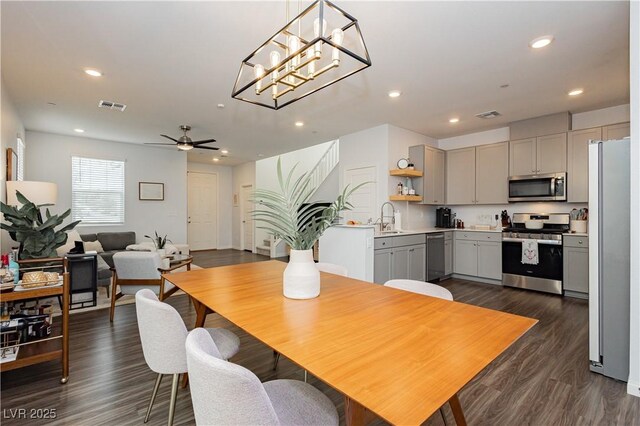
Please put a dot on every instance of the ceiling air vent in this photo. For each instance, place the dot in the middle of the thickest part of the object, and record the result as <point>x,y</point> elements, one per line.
<point>488,114</point>
<point>112,105</point>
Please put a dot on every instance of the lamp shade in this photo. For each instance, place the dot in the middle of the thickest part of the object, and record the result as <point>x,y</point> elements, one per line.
<point>36,192</point>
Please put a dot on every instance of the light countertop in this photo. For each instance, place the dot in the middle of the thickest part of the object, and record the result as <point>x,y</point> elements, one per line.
<point>432,230</point>
<point>575,234</point>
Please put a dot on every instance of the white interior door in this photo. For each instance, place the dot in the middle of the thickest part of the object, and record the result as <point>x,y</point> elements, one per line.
<point>247,220</point>
<point>202,195</point>
<point>364,199</point>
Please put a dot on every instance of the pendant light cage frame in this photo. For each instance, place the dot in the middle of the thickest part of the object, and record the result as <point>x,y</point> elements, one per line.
<point>304,67</point>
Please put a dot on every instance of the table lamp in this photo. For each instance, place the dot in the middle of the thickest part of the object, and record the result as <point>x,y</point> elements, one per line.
<point>36,192</point>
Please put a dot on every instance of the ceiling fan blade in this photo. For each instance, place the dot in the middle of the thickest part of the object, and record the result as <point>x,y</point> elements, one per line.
<point>206,147</point>
<point>169,137</point>
<point>203,141</point>
<point>156,143</point>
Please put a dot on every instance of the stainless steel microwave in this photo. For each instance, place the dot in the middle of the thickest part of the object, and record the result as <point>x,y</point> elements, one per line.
<point>546,187</point>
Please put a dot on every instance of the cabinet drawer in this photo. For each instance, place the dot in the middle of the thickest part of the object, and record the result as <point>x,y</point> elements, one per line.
<point>381,243</point>
<point>478,236</point>
<point>448,235</point>
<point>571,241</point>
<point>409,240</point>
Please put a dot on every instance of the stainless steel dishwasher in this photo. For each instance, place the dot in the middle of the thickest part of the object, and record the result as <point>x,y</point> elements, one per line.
<point>435,256</point>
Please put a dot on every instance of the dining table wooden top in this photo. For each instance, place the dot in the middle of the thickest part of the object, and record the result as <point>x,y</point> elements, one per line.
<point>399,354</point>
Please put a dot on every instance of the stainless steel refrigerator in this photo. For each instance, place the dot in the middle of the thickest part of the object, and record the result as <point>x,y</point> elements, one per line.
<point>609,281</point>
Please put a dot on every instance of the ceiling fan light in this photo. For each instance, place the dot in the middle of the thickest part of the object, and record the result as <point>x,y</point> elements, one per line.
<point>185,147</point>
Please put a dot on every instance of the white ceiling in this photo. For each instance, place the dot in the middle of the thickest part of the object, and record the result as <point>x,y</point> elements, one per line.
<point>173,62</point>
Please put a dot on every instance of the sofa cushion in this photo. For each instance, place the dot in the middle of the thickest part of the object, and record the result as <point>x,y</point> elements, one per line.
<point>116,240</point>
<point>107,256</point>
<point>89,237</point>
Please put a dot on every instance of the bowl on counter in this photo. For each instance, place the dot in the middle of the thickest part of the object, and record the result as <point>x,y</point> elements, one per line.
<point>533,224</point>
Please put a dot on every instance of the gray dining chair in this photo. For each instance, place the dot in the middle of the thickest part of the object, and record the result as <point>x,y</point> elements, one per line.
<point>330,268</point>
<point>224,393</point>
<point>426,289</point>
<point>163,335</point>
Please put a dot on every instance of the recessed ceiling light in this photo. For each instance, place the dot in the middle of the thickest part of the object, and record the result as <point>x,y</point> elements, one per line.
<point>394,93</point>
<point>220,106</point>
<point>299,124</point>
<point>541,42</point>
<point>216,159</point>
<point>93,73</point>
<point>454,120</point>
<point>78,130</point>
<point>224,151</point>
<point>260,155</point>
<point>576,92</point>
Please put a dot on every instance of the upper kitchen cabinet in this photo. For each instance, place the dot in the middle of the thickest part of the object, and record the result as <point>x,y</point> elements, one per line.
<point>461,176</point>
<point>578,163</point>
<point>522,159</point>
<point>432,163</point>
<point>539,155</point>
<point>492,173</point>
<point>616,131</point>
<point>478,175</point>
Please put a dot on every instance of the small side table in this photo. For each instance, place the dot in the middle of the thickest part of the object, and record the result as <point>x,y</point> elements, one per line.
<point>83,277</point>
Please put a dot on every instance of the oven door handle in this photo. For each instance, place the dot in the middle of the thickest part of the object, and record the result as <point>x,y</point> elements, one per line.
<point>543,242</point>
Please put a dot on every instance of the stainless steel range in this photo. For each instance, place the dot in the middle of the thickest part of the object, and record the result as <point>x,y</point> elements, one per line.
<point>547,274</point>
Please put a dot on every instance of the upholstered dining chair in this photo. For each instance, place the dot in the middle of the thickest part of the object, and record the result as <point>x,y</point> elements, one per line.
<point>224,393</point>
<point>163,335</point>
<point>426,289</point>
<point>135,270</point>
<point>330,268</point>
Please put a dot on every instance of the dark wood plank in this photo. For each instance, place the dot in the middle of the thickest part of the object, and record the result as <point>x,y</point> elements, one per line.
<point>543,379</point>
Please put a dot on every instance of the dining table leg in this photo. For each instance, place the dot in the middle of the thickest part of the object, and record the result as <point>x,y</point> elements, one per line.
<point>354,412</point>
<point>201,315</point>
<point>456,408</point>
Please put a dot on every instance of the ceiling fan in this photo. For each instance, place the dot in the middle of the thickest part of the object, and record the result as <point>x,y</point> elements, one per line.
<point>185,143</point>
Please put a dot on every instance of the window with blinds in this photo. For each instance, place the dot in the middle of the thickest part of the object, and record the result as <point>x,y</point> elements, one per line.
<point>20,165</point>
<point>97,188</point>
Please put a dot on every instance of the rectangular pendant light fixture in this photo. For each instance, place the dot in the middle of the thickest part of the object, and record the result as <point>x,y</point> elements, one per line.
<point>319,47</point>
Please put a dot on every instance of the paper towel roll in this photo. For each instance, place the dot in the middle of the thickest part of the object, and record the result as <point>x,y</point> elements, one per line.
<point>397,216</point>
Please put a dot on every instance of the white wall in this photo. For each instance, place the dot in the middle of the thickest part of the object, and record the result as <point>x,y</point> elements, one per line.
<point>12,127</point>
<point>49,159</point>
<point>225,199</point>
<point>601,117</point>
<point>633,386</point>
<point>472,139</point>
<point>243,174</point>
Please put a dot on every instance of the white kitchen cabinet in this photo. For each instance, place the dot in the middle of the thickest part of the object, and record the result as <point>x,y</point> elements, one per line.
<point>492,173</point>
<point>544,154</point>
<point>616,131</point>
<point>575,258</point>
<point>490,260</point>
<point>466,257</point>
<point>522,157</point>
<point>431,161</point>
<point>578,163</point>
<point>461,176</point>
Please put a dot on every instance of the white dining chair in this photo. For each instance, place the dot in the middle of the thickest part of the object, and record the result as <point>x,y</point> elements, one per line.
<point>426,289</point>
<point>163,335</point>
<point>332,268</point>
<point>224,393</point>
<point>421,287</point>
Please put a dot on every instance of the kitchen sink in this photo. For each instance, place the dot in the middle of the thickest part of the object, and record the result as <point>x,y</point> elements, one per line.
<point>391,232</point>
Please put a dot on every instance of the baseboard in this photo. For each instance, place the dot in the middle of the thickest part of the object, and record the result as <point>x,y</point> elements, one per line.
<point>477,279</point>
<point>224,248</point>
<point>576,294</point>
<point>633,388</point>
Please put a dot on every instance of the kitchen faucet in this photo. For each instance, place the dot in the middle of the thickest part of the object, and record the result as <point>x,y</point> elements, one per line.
<point>382,216</point>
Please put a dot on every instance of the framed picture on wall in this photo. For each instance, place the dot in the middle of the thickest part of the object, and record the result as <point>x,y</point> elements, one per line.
<point>151,191</point>
<point>12,164</point>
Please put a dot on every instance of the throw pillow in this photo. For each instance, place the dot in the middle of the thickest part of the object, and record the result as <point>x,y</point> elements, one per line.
<point>93,246</point>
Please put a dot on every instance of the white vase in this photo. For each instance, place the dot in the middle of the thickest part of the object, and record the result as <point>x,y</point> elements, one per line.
<point>162,252</point>
<point>301,279</point>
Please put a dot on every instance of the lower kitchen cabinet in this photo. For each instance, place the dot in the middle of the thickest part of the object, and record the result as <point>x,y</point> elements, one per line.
<point>478,254</point>
<point>417,262</point>
<point>448,253</point>
<point>382,260</point>
<point>396,261</point>
<point>575,258</point>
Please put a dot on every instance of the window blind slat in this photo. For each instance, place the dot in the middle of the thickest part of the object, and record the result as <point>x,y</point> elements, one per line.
<point>97,190</point>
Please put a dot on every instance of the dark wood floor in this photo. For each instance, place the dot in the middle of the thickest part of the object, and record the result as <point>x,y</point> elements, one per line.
<point>543,379</point>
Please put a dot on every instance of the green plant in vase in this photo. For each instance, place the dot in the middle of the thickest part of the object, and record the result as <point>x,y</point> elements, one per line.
<point>287,214</point>
<point>37,236</point>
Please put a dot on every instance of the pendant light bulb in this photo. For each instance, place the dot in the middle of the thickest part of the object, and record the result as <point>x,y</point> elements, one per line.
<point>258,71</point>
<point>294,45</point>
<point>337,36</point>
<point>311,68</point>
<point>319,32</point>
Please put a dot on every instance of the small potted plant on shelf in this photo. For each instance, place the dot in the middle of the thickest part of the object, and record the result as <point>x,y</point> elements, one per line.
<point>287,214</point>
<point>159,243</point>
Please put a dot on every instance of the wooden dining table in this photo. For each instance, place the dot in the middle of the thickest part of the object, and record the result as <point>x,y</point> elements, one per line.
<point>397,354</point>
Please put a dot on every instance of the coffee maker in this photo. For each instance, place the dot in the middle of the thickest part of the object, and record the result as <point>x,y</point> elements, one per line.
<point>443,218</point>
